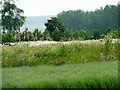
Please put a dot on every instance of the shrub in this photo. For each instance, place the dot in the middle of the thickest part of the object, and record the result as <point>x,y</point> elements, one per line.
<point>56,35</point>
<point>31,36</point>
<point>8,37</point>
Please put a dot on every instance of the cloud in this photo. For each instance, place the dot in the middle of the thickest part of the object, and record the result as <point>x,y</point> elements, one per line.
<point>53,7</point>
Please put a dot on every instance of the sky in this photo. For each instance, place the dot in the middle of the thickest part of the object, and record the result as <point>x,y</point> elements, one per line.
<point>53,7</point>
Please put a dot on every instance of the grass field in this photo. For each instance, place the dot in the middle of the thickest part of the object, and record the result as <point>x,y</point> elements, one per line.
<point>61,65</point>
<point>93,74</point>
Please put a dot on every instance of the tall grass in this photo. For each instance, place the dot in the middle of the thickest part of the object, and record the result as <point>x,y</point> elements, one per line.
<point>57,54</point>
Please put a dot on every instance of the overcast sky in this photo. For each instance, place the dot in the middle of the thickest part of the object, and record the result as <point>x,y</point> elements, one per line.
<point>53,7</point>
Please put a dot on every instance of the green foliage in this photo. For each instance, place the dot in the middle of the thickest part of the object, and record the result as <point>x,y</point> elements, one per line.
<point>11,16</point>
<point>107,47</point>
<point>108,44</point>
<point>100,19</point>
<point>116,34</point>
<point>76,35</point>
<point>56,35</point>
<point>54,23</point>
<point>31,36</point>
<point>96,34</point>
<point>81,35</point>
<point>0,37</point>
<point>57,54</point>
<point>7,37</point>
<point>46,35</point>
<point>22,36</point>
<point>39,34</point>
<point>55,26</point>
<point>67,35</point>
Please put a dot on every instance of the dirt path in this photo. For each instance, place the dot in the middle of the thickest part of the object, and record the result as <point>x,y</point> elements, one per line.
<point>37,43</point>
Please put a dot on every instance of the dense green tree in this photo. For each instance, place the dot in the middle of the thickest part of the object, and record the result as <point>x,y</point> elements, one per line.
<point>56,35</point>
<point>55,27</point>
<point>54,23</point>
<point>12,16</point>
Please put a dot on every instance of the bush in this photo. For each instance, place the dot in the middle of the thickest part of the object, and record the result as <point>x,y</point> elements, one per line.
<point>8,37</point>
<point>81,35</point>
<point>31,36</point>
<point>96,34</point>
<point>46,35</point>
<point>56,35</point>
<point>22,36</point>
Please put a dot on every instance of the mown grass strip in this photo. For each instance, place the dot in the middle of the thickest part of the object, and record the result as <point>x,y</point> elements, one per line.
<point>92,75</point>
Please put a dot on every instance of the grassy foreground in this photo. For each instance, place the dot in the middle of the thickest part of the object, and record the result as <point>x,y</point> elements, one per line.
<point>92,74</point>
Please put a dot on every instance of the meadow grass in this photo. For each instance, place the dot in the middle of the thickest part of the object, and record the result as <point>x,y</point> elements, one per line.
<point>57,54</point>
<point>84,75</point>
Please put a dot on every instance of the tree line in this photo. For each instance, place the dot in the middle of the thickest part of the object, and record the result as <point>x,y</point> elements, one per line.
<point>100,19</point>
<point>56,35</point>
<point>69,25</point>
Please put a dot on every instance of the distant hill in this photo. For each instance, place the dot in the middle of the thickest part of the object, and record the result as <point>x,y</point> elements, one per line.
<point>33,22</point>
